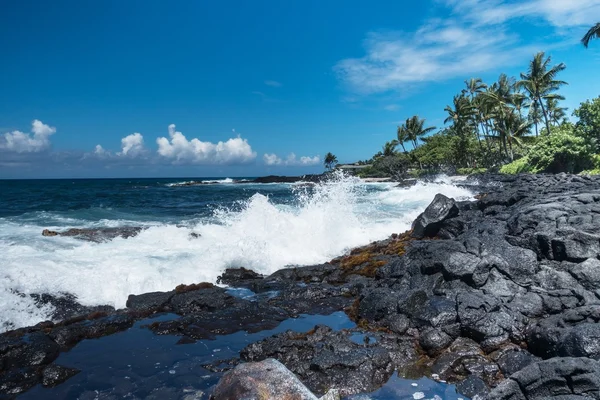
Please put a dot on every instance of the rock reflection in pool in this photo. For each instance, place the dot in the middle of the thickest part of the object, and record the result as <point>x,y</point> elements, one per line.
<point>408,389</point>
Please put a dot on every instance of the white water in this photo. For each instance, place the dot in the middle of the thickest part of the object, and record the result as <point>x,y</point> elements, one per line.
<point>263,237</point>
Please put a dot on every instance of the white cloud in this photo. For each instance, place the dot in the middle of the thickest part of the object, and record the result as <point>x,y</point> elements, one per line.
<point>291,160</point>
<point>21,142</point>
<point>183,151</point>
<point>99,150</point>
<point>391,107</point>
<point>474,39</point>
<point>559,13</point>
<point>273,83</point>
<point>132,145</point>
<point>272,159</point>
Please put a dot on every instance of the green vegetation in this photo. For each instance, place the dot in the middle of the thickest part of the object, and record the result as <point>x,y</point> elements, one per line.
<point>516,167</point>
<point>512,126</point>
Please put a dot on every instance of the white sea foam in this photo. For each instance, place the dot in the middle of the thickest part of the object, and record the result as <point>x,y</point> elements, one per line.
<point>326,221</point>
<point>207,181</point>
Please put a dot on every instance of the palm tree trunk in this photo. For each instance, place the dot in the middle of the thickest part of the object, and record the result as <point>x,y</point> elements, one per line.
<point>536,129</point>
<point>487,135</point>
<point>403,148</point>
<point>545,114</point>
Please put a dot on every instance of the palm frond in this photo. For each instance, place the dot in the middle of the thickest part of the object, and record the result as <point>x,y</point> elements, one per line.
<point>593,33</point>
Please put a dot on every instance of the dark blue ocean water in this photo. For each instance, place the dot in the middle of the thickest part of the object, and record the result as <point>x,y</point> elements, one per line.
<point>137,199</point>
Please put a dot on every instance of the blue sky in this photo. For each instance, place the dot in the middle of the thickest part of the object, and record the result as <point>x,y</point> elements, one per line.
<point>238,88</point>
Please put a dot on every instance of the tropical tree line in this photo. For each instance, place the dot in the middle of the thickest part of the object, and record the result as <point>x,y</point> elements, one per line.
<point>512,125</point>
<point>487,125</point>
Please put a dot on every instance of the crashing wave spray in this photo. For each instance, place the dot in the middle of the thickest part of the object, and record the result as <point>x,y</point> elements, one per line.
<point>321,223</point>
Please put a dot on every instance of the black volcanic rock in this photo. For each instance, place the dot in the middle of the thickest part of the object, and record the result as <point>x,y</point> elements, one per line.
<point>97,235</point>
<point>559,378</point>
<point>287,179</point>
<point>265,379</point>
<point>55,374</point>
<point>154,302</point>
<point>429,222</point>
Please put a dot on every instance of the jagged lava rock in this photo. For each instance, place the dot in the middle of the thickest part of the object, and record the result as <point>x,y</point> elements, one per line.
<point>429,222</point>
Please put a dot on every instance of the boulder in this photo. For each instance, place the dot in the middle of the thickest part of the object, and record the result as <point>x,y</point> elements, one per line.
<point>264,380</point>
<point>155,301</point>
<point>430,221</point>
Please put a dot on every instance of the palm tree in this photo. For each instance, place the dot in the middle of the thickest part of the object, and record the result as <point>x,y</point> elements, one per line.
<point>460,112</point>
<point>555,112</point>
<point>540,81</point>
<point>593,33</point>
<point>415,129</point>
<point>513,127</point>
<point>389,149</point>
<point>504,104</point>
<point>535,115</point>
<point>402,136</point>
<point>474,87</point>
<point>330,161</point>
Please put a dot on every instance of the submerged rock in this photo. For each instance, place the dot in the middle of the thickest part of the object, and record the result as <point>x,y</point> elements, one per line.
<point>55,374</point>
<point>97,235</point>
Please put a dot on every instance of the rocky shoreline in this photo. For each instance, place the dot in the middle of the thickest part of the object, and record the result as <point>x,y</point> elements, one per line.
<point>500,296</point>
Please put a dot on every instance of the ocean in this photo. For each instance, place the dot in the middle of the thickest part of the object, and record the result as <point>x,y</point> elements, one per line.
<point>189,234</point>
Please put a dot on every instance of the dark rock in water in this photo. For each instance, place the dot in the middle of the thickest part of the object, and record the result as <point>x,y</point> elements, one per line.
<point>154,302</point>
<point>194,235</point>
<point>404,183</point>
<point>268,379</point>
<point>55,374</point>
<point>324,359</point>
<point>238,277</point>
<point>473,386</point>
<point>29,350</point>
<point>97,235</point>
<point>429,222</point>
<point>287,179</point>
<point>209,299</point>
<point>72,332</point>
<point>554,378</point>
<point>66,306</point>
<point>18,380</point>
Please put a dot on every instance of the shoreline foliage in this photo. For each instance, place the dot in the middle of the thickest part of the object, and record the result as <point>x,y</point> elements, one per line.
<point>511,126</point>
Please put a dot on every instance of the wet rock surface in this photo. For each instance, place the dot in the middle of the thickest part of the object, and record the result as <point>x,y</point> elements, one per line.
<point>96,234</point>
<point>266,379</point>
<point>500,295</point>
